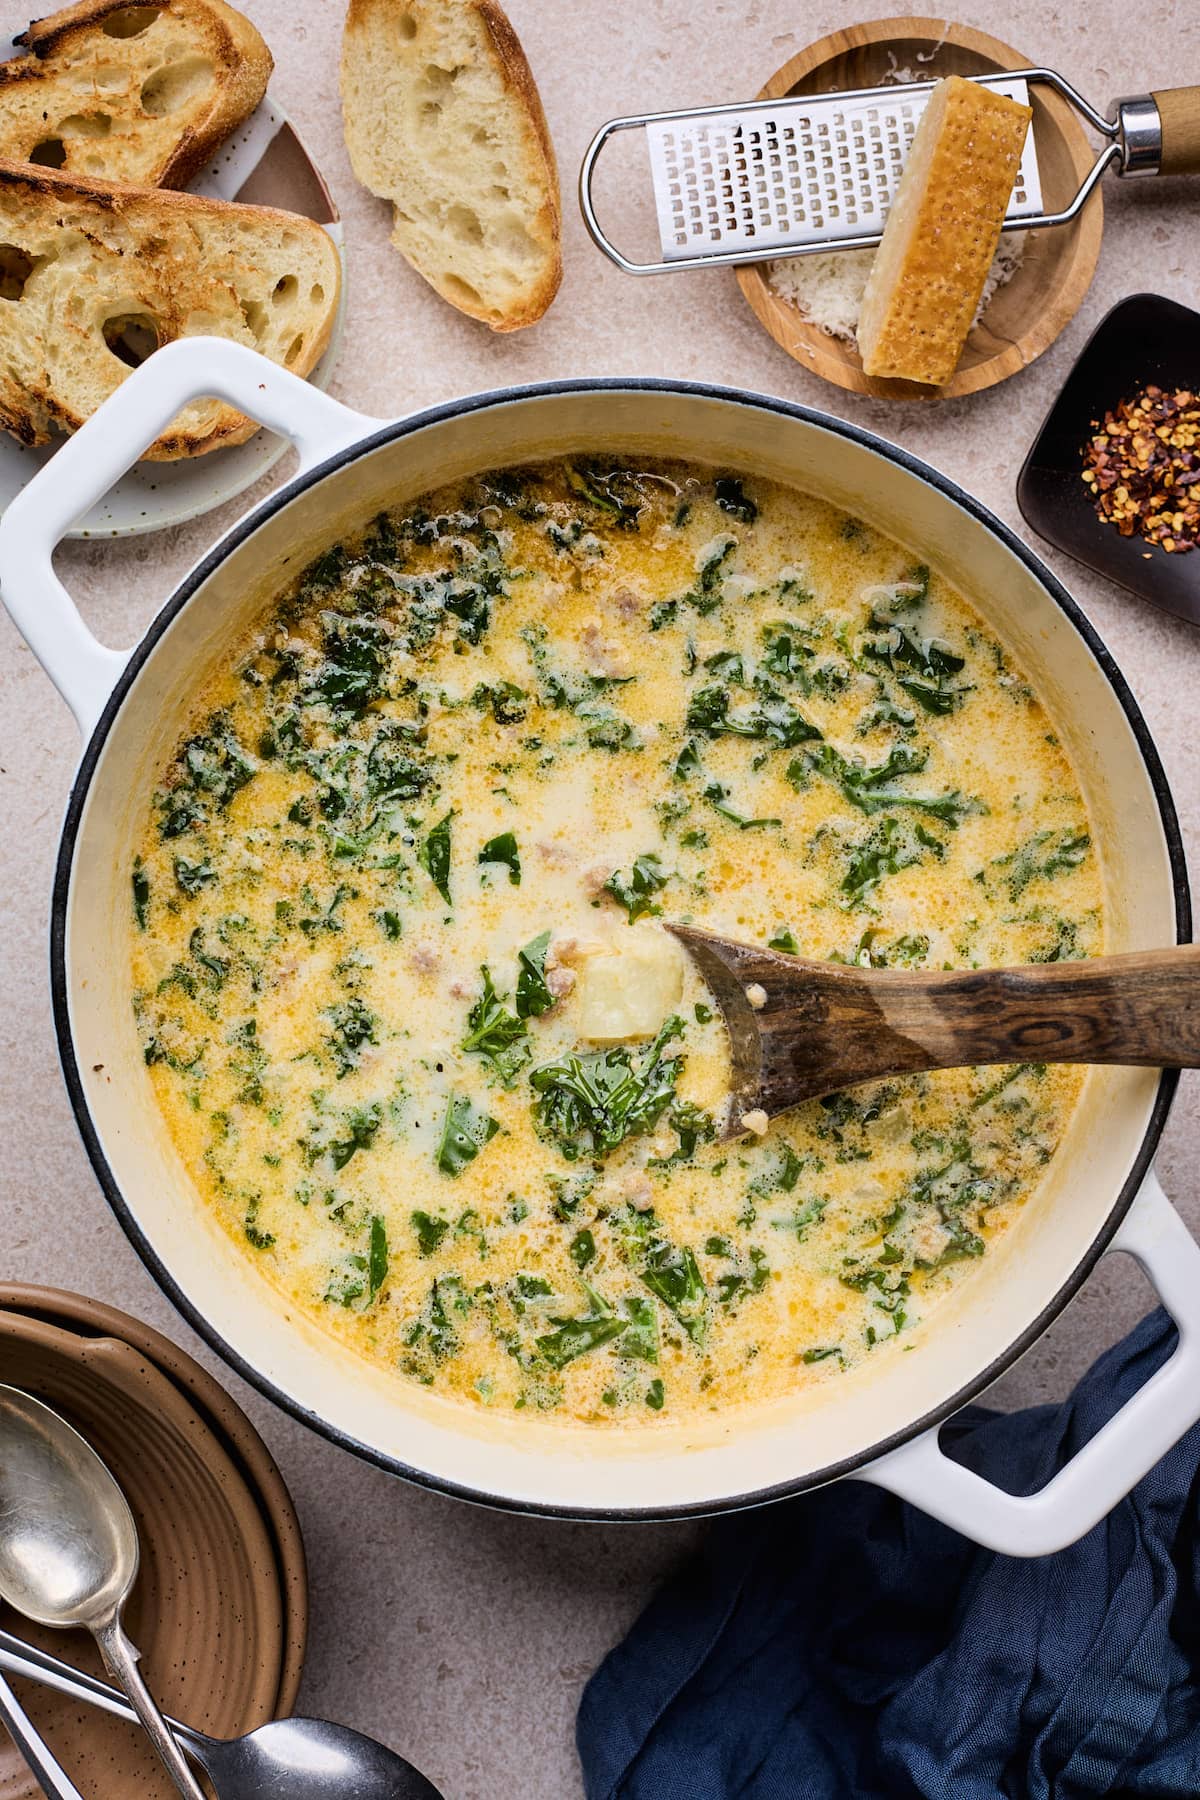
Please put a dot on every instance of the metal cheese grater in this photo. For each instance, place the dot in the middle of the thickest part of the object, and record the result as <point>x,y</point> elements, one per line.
<point>737,184</point>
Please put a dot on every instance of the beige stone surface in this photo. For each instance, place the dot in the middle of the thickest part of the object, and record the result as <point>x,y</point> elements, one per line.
<point>460,1636</point>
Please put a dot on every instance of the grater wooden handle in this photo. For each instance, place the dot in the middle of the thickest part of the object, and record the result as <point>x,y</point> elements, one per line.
<point>1179,110</point>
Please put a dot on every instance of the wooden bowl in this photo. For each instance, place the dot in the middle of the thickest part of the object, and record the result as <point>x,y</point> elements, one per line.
<point>1027,314</point>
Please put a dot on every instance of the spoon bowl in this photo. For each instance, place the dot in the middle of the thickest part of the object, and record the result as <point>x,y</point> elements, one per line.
<point>69,1551</point>
<point>68,1546</point>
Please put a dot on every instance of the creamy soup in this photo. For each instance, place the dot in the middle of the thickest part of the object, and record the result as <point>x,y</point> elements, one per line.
<point>400,970</point>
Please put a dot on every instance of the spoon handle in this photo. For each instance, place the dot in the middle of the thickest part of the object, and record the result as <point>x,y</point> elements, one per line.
<point>1140,1009</point>
<point>121,1661</point>
<point>33,1663</point>
<point>51,1777</point>
<point>799,1029</point>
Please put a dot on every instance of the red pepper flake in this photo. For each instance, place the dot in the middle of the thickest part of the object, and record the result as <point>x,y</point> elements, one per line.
<point>1142,467</point>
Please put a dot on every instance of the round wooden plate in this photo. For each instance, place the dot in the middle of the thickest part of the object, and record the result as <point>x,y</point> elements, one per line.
<point>220,1606</point>
<point>1027,314</point>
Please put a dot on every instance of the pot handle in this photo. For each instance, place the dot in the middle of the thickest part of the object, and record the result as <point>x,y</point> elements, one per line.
<point>82,669</point>
<point>1122,1451</point>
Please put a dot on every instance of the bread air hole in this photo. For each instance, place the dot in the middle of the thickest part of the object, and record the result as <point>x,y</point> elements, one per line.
<point>465,224</point>
<point>438,80</point>
<point>294,349</point>
<point>255,315</point>
<point>406,25</point>
<point>86,125</point>
<point>131,337</point>
<point>284,291</point>
<point>129,21</point>
<point>170,88</point>
<point>50,153</point>
<point>15,270</point>
<point>435,88</point>
<point>456,287</point>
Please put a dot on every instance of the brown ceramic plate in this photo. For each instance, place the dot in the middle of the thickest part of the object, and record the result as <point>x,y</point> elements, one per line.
<point>220,1607</point>
<point>1027,314</point>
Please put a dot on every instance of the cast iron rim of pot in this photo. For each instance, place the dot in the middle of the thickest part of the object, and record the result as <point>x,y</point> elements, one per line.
<point>245,529</point>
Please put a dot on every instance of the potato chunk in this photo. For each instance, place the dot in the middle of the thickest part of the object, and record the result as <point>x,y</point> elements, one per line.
<point>628,992</point>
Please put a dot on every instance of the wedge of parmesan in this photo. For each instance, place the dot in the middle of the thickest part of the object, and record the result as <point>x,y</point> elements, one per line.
<point>628,992</point>
<point>941,233</point>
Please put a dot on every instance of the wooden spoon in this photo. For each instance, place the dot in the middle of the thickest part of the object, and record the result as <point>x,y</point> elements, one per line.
<point>799,1029</point>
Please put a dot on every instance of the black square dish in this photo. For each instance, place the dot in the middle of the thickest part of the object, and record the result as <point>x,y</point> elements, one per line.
<point>1144,339</point>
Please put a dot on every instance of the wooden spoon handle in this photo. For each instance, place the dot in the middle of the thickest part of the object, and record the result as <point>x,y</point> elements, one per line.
<point>1142,1008</point>
<point>799,1029</point>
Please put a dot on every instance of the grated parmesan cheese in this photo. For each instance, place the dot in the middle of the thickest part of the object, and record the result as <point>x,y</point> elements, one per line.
<point>828,287</point>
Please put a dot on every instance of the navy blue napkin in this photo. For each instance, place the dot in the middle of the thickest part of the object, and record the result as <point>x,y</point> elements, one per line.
<point>843,1646</point>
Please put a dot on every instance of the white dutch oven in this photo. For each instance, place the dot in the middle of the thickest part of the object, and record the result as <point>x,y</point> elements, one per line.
<point>878,1425</point>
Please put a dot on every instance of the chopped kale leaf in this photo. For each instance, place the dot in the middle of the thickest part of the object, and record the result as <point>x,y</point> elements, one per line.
<point>378,1258</point>
<point>503,849</point>
<point>141,894</point>
<point>465,1132</point>
<point>923,668</point>
<point>732,498</point>
<point>494,1032</point>
<point>533,992</point>
<point>352,1026</point>
<point>1043,856</point>
<point>430,1231</point>
<point>636,891</point>
<point>591,1101</point>
<point>893,845</point>
<point>434,856</point>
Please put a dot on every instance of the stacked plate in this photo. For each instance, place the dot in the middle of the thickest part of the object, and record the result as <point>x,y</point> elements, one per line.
<point>220,1609</point>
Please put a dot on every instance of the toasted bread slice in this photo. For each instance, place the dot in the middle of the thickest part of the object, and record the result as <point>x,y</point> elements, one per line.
<point>94,277</point>
<point>443,118</point>
<point>114,92</point>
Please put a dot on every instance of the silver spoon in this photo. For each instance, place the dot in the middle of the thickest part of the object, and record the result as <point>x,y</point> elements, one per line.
<point>69,1551</point>
<point>53,1780</point>
<point>289,1759</point>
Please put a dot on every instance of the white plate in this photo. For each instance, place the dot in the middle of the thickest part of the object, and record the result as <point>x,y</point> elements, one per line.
<point>265,161</point>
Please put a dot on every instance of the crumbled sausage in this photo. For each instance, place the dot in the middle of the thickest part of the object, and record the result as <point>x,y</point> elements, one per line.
<point>555,854</point>
<point>602,656</point>
<point>596,878</point>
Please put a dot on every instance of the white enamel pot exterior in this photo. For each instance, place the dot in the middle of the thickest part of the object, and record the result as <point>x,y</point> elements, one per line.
<point>879,1424</point>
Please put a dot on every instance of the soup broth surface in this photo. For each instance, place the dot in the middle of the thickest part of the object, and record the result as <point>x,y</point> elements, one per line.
<point>400,971</point>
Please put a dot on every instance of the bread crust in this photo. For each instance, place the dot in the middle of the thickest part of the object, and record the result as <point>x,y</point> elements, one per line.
<point>518,80</point>
<point>63,205</point>
<point>235,46</point>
